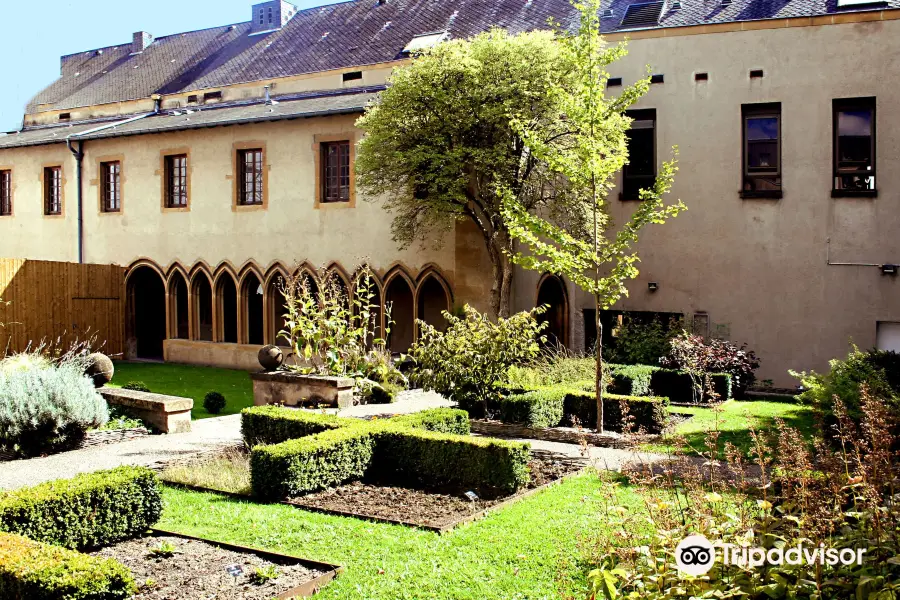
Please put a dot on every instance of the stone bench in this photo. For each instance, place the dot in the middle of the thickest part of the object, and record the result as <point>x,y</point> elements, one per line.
<point>292,389</point>
<point>169,414</point>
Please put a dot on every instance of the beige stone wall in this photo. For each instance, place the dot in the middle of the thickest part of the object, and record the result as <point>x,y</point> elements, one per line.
<point>758,267</point>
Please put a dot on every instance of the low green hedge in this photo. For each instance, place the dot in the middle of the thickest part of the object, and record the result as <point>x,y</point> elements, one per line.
<point>536,408</point>
<point>429,459</point>
<point>311,463</point>
<point>647,413</point>
<point>678,385</point>
<point>276,424</point>
<point>89,510</point>
<point>442,420</point>
<point>632,380</point>
<point>31,570</point>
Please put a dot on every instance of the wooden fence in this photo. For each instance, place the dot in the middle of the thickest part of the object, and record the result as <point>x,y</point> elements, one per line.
<point>46,301</point>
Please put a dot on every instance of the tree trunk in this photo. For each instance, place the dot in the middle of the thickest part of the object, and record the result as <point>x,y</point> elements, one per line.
<point>598,382</point>
<point>502,271</point>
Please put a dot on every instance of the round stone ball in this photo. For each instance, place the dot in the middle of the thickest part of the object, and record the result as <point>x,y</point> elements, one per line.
<point>99,368</point>
<point>270,357</point>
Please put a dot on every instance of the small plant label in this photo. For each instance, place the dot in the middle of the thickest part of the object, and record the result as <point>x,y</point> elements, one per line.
<point>235,570</point>
<point>471,496</point>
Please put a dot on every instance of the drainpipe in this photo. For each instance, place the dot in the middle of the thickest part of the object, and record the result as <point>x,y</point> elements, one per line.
<point>79,159</point>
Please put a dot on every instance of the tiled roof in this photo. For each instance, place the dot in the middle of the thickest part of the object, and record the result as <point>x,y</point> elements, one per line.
<point>174,120</point>
<point>354,33</point>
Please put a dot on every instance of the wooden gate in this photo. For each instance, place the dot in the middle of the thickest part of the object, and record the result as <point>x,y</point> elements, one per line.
<point>49,301</point>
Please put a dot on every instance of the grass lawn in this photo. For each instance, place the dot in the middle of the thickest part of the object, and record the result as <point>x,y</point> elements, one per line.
<point>514,553</point>
<point>734,420</point>
<point>190,382</point>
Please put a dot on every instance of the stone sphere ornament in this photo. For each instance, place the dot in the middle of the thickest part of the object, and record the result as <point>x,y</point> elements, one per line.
<point>270,357</point>
<point>99,368</point>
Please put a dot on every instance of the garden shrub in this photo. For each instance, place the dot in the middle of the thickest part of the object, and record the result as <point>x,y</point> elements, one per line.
<point>877,369</point>
<point>213,402</point>
<point>678,386</point>
<point>429,459</point>
<point>311,463</point>
<point>35,571</point>
<point>47,408</point>
<point>631,380</point>
<point>89,510</point>
<point>537,408</point>
<point>442,420</point>
<point>639,343</point>
<point>136,386</point>
<point>700,356</point>
<point>646,413</point>
<point>464,362</point>
<point>276,424</point>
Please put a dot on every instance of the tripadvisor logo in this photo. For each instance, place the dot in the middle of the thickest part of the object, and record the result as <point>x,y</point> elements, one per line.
<point>695,555</point>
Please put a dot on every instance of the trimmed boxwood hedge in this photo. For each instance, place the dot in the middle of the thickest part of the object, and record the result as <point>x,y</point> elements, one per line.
<point>311,463</point>
<point>536,408</point>
<point>276,424</point>
<point>31,570</point>
<point>678,385</point>
<point>491,467</point>
<point>89,510</point>
<point>428,448</point>
<point>647,412</point>
<point>632,380</point>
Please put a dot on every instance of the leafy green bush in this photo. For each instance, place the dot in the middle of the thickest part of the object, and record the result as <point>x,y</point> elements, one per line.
<point>374,392</point>
<point>876,368</point>
<point>639,343</point>
<point>699,357</point>
<point>136,386</point>
<point>276,424</point>
<point>46,408</point>
<point>631,380</point>
<point>311,463</point>
<point>537,408</point>
<point>429,459</point>
<point>620,413</point>
<point>89,510</point>
<point>213,402</point>
<point>465,362</point>
<point>35,571</point>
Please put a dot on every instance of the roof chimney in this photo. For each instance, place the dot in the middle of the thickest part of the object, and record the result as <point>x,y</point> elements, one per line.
<point>139,41</point>
<point>270,15</point>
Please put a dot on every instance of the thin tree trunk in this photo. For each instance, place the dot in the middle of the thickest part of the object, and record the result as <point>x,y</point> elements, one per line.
<point>501,288</point>
<point>598,382</point>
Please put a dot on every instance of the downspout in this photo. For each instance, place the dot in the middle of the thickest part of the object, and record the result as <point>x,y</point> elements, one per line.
<point>79,160</point>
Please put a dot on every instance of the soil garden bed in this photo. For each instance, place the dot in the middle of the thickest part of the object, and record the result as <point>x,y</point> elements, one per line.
<point>434,509</point>
<point>566,435</point>
<point>196,569</point>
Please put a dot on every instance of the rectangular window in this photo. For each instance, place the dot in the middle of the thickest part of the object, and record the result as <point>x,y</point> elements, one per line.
<point>336,171</point>
<point>53,191</point>
<point>111,186</point>
<point>5,193</point>
<point>854,147</point>
<point>176,181</point>
<point>250,177</point>
<point>762,150</point>
<point>640,172</point>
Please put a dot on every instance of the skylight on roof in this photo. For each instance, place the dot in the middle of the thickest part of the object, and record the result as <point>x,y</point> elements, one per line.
<point>645,14</point>
<point>850,3</point>
<point>424,41</point>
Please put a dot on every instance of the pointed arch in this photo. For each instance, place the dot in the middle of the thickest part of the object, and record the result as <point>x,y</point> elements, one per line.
<point>433,297</point>
<point>145,310</point>
<point>225,298</point>
<point>551,290</point>
<point>202,303</point>
<point>274,303</point>
<point>177,292</point>
<point>252,313</point>
<point>399,295</point>
<point>376,300</point>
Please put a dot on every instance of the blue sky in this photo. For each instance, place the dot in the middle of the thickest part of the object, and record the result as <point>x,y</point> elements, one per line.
<point>31,44</point>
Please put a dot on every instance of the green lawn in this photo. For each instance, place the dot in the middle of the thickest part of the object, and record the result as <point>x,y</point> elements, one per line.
<point>734,419</point>
<point>190,382</point>
<point>514,553</point>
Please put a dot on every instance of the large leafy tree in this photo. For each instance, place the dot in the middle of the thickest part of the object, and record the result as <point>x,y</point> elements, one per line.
<point>440,144</point>
<point>587,148</point>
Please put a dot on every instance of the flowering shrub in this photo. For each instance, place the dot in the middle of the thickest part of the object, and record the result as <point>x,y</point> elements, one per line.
<point>639,343</point>
<point>838,496</point>
<point>701,357</point>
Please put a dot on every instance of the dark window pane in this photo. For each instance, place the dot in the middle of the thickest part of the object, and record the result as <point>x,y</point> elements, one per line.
<point>854,144</point>
<point>5,193</point>
<point>336,171</point>
<point>762,147</point>
<point>640,172</point>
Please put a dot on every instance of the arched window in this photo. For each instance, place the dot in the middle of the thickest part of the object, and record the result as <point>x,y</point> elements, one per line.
<point>552,292</point>
<point>226,306</point>
<point>433,301</point>
<point>178,306</point>
<point>146,312</point>
<point>203,308</point>
<point>277,310</point>
<point>399,296</point>
<point>252,309</point>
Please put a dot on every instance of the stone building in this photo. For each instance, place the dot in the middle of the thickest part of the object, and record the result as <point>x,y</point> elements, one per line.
<point>213,162</point>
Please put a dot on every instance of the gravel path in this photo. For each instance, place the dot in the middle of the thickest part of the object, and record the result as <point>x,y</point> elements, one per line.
<point>206,435</point>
